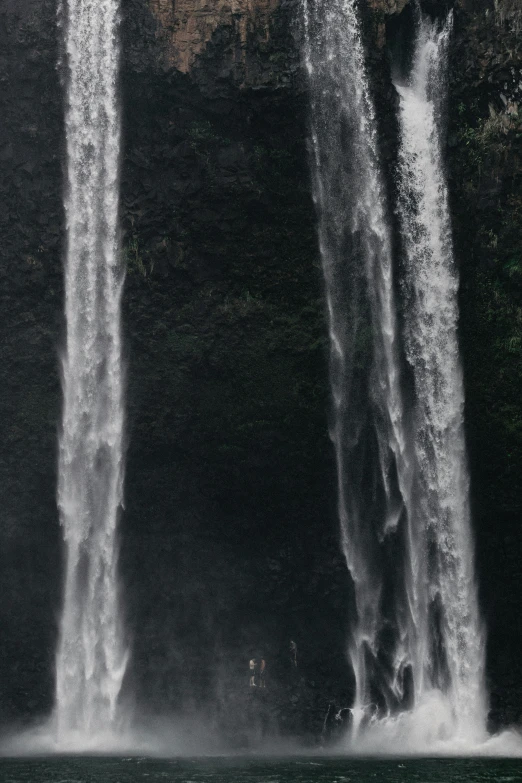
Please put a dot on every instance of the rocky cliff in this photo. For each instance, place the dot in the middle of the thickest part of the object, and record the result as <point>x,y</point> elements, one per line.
<point>229,535</point>
<point>189,26</point>
<point>485,167</point>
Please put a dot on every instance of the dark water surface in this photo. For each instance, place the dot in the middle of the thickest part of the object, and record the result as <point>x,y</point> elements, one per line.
<point>258,770</point>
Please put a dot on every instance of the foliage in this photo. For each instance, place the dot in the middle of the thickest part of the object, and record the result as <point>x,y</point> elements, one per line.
<point>134,258</point>
<point>486,168</point>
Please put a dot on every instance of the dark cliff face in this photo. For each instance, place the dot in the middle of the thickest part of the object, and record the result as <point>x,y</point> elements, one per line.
<point>230,473</point>
<point>229,543</point>
<point>485,165</point>
<point>31,219</point>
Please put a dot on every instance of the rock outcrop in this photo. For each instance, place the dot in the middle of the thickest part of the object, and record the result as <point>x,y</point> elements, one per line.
<point>188,27</point>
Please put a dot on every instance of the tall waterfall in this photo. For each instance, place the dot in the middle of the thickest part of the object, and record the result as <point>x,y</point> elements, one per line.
<point>91,658</point>
<point>369,431</point>
<point>416,646</point>
<point>454,659</point>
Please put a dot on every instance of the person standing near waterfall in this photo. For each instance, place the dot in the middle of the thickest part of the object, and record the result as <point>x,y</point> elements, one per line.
<point>252,669</point>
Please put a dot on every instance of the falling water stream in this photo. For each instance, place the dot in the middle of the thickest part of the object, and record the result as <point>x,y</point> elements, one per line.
<point>91,656</point>
<point>369,430</point>
<point>454,656</point>
<point>416,645</point>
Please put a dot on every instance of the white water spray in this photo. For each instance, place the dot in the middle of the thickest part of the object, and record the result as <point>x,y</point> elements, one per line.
<point>416,646</point>
<point>91,657</point>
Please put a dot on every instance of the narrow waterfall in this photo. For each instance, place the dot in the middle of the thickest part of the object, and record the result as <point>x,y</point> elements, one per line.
<point>454,661</point>
<point>416,642</point>
<point>91,657</point>
<point>369,429</point>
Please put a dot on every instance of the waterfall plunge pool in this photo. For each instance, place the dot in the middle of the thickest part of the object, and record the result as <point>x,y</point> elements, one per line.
<point>317,769</point>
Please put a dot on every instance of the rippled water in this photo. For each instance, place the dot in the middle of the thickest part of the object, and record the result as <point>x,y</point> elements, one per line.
<point>258,770</point>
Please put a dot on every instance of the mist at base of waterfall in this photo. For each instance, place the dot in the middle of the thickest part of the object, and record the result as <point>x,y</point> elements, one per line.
<point>164,737</point>
<point>429,731</point>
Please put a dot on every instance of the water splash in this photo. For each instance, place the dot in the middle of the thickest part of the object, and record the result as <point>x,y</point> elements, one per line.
<point>91,657</point>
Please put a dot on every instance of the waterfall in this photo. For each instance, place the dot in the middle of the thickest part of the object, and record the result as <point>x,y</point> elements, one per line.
<point>369,430</point>
<point>456,663</point>
<point>416,642</point>
<point>91,657</point>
